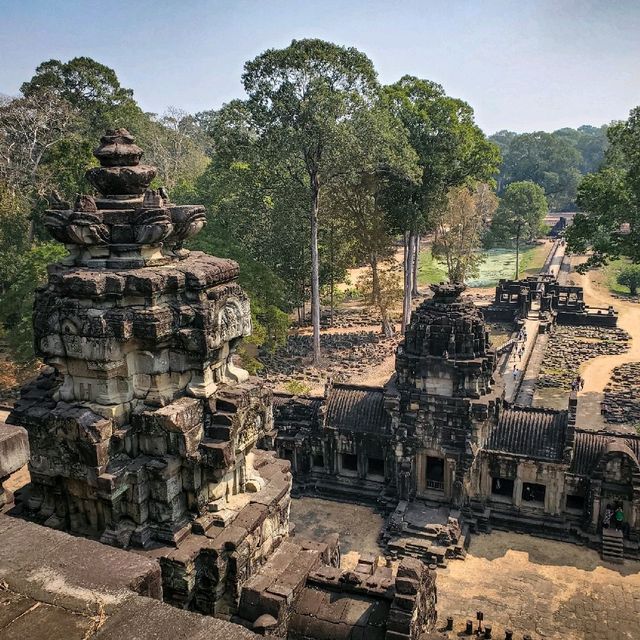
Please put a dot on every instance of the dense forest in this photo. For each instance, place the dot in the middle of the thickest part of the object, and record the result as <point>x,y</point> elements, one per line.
<point>318,168</point>
<point>555,161</point>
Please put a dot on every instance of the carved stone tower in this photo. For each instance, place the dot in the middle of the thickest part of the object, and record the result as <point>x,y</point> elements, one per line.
<point>143,424</point>
<point>443,398</point>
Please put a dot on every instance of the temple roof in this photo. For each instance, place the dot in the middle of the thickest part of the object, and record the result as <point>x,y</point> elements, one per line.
<point>589,446</point>
<point>296,408</point>
<point>356,408</point>
<point>531,432</point>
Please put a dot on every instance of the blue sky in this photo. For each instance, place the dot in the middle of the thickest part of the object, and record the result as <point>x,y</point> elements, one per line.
<point>521,64</point>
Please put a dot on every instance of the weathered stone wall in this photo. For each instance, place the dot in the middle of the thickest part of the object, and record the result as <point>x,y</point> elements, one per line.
<point>14,454</point>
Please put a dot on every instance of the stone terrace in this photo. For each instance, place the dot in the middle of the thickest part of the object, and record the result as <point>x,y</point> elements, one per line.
<point>76,589</point>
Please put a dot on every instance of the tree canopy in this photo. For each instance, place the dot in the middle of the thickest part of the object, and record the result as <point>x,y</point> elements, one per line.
<point>555,161</point>
<point>303,100</point>
<point>610,199</point>
<point>451,149</point>
<point>519,215</point>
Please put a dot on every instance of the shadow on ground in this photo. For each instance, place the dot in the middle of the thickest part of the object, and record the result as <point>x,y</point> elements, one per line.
<point>545,552</point>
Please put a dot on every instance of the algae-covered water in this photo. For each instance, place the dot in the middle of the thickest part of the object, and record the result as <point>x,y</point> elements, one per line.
<point>498,263</point>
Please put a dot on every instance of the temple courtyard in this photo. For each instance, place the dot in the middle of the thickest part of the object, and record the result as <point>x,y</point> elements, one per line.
<point>555,590</point>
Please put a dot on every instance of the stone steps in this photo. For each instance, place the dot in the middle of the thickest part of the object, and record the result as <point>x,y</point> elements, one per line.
<point>612,546</point>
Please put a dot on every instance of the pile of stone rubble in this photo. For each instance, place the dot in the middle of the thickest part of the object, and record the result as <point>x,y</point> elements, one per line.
<point>570,346</point>
<point>347,353</point>
<point>622,395</point>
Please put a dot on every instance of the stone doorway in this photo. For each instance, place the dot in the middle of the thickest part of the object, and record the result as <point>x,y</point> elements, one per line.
<point>613,496</point>
<point>434,473</point>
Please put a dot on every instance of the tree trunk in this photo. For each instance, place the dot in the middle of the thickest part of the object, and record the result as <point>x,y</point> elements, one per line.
<point>315,272</point>
<point>408,273</point>
<point>387,328</point>
<point>414,271</point>
<point>518,254</point>
<point>331,285</point>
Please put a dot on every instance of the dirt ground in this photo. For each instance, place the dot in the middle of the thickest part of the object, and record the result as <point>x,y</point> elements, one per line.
<point>358,526</point>
<point>548,589</point>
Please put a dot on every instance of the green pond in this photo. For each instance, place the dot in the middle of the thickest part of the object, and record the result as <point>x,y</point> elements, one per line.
<point>498,263</point>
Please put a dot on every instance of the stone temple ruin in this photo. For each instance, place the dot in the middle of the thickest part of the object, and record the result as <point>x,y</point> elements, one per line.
<point>442,451</point>
<point>144,433</point>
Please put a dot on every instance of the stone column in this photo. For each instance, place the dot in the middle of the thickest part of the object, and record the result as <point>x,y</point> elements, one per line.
<point>596,489</point>
<point>517,488</point>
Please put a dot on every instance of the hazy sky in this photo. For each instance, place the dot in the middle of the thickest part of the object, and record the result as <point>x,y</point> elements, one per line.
<point>521,64</point>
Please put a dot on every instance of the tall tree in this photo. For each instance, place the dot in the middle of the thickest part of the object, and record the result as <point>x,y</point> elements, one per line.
<point>303,99</point>
<point>459,229</point>
<point>356,197</point>
<point>451,150</point>
<point>90,87</point>
<point>610,199</point>
<point>519,216</point>
<point>252,202</point>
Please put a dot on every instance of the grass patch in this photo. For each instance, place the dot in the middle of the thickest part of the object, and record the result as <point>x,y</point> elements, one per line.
<point>610,276</point>
<point>532,259</point>
<point>430,270</point>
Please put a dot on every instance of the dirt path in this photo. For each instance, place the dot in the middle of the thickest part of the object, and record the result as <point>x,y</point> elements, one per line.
<point>597,371</point>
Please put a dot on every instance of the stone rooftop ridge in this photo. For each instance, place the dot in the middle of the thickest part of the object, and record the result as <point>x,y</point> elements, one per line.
<point>591,446</point>
<point>356,408</point>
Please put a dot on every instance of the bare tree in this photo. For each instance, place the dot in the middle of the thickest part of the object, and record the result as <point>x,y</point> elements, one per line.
<point>176,146</point>
<point>458,233</point>
<point>29,128</point>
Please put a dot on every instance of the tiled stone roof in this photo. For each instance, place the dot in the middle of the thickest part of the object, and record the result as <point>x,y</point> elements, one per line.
<point>287,406</point>
<point>357,408</point>
<point>529,431</point>
<point>590,445</point>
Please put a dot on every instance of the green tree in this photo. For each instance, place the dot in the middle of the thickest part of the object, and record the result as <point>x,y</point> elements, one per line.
<point>519,215</point>
<point>356,201</point>
<point>28,270</point>
<point>610,199</point>
<point>302,99</point>
<point>555,161</point>
<point>630,277</point>
<point>451,150</point>
<point>252,202</point>
<point>91,88</point>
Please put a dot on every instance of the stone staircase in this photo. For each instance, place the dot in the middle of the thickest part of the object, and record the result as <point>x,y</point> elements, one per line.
<point>612,546</point>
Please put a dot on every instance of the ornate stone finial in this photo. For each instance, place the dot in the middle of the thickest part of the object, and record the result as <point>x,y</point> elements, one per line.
<point>120,172</point>
<point>447,292</point>
<point>117,149</point>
